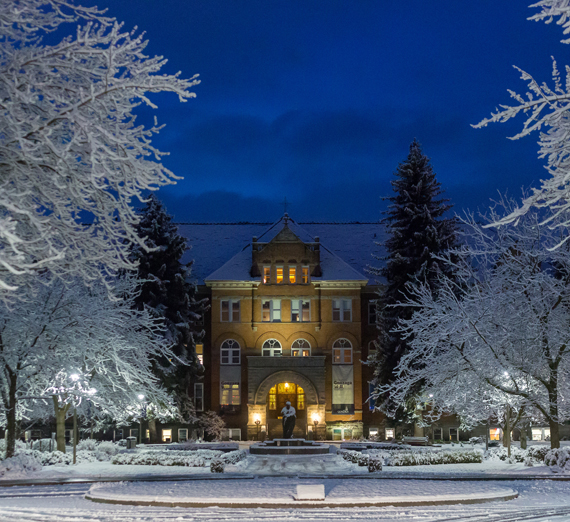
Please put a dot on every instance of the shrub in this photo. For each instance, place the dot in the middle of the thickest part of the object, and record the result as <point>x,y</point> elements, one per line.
<point>194,459</point>
<point>374,464</point>
<point>106,450</point>
<point>558,458</point>
<point>217,466</point>
<point>363,460</point>
<point>20,464</point>
<point>476,440</point>
<point>86,445</point>
<point>517,455</point>
<point>537,453</point>
<point>428,457</point>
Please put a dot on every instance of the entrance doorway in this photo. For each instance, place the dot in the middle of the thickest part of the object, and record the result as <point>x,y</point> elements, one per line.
<point>276,399</point>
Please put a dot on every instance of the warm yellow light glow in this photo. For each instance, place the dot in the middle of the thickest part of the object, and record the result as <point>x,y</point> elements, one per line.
<point>316,419</point>
<point>257,418</point>
<point>286,385</point>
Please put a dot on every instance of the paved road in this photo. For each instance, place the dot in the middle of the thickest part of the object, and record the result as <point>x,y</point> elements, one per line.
<point>539,501</point>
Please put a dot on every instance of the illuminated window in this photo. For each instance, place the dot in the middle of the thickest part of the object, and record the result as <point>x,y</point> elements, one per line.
<point>229,311</point>
<point>342,352</point>
<point>300,398</point>
<point>271,311</point>
<point>230,352</point>
<point>390,433</point>
<point>342,310</point>
<point>266,275</point>
<point>301,348</point>
<point>300,311</point>
<point>453,434</point>
<point>199,396</point>
<point>166,435</point>
<point>272,348</point>
<point>273,398</point>
<point>495,433</point>
<point>292,274</point>
<point>279,274</point>
<point>200,353</point>
<point>230,394</point>
<point>305,275</point>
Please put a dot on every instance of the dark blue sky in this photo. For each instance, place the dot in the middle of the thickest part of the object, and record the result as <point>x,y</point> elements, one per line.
<point>318,101</point>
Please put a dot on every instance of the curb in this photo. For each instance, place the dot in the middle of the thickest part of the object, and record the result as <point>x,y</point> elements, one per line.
<point>380,475</point>
<point>303,504</point>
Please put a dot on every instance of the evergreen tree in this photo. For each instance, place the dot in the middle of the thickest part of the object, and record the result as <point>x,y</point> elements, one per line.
<point>168,292</point>
<point>417,231</point>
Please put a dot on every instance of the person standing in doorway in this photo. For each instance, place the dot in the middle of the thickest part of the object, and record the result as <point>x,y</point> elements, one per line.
<point>289,417</point>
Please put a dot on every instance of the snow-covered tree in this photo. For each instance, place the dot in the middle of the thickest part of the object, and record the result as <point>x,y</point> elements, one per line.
<point>68,343</point>
<point>496,334</point>
<point>212,424</point>
<point>170,296</point>
<point>72,157</point>
<point>546,107</point>
<point>418,231</point>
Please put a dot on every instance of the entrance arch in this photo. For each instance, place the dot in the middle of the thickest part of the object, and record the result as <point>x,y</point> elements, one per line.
<point>279,387</point>
<point>311,395</point>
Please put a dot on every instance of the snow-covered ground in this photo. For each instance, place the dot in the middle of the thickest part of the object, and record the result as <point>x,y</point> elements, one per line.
<point>274,465</point>
<point>538,501</point>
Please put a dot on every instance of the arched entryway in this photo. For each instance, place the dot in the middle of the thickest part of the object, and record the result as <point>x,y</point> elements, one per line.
<point>276,389</point>
<point>277,397</point>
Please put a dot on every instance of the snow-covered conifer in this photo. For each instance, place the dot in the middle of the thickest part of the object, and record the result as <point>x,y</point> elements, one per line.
<point>170,295</point>
<point>417,231</point>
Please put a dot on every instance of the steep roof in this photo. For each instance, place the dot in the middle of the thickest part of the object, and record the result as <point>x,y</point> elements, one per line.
<point>222,251</point>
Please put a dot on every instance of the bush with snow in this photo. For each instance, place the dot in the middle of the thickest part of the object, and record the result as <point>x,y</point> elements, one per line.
<point>19,447</point>
<point>233,457</point>
<point>106,450</point>
<point>537,453</point>
<point>413,458</point>
<point>476,440</point>
<point>87,445</point>
<point>558,459</point>
<point>21,464</point>
<point>194,459</point>
<point>517,455</point>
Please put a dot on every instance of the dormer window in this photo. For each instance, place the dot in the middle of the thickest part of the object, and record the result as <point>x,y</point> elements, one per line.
<point>279,274</point>
<point>305,275</point>
<point>292,274</point>
<point>266,275</point>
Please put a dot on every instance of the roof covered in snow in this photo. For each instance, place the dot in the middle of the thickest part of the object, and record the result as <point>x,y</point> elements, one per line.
<point>222,251</point>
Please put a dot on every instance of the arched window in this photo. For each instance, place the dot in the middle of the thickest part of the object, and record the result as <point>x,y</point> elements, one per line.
<point>271,348</point>
<point>230,352</point>
<point>342,352</point>
<point>301,348</point>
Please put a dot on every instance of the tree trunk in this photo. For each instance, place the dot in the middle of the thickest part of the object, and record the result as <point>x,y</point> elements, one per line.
<point>60,414</point>
<point>507,436</point>
<point>153,431</point>
<point>553,420</point>
<point>554,434</point>
<point>523,435</point>
<point>11,424</point>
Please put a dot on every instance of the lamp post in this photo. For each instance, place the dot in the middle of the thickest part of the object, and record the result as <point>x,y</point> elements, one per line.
<point>315,432</point>
<point>257,423</point>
